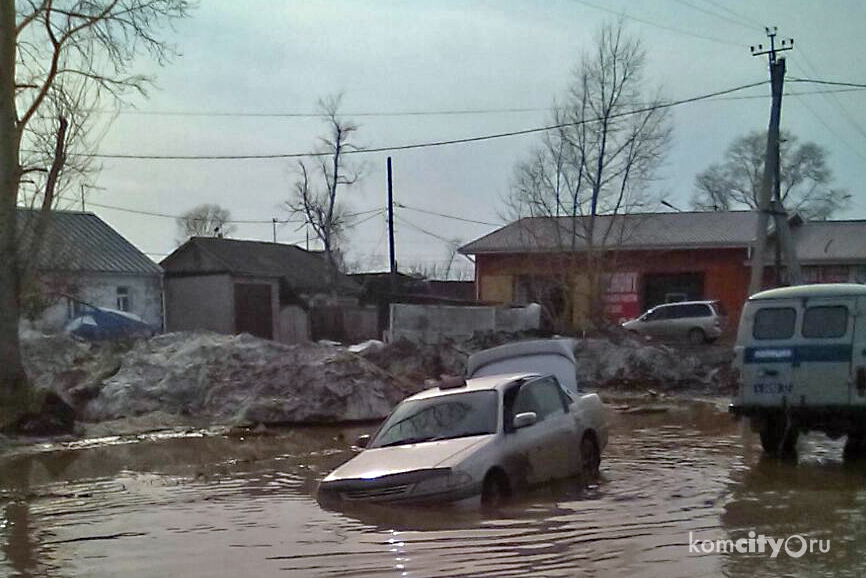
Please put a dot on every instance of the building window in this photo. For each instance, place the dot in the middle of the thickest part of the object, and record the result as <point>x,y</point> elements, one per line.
<point>124,300</point>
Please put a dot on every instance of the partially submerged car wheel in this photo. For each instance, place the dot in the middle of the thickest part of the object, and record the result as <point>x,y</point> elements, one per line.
<point>590,457</point>
<point>496,489</point>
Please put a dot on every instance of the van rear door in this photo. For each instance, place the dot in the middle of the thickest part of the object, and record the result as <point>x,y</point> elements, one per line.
<point>767,331</point>
<point>822,365</point>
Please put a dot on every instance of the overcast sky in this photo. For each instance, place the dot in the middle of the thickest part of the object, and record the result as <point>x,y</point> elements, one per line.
<point>267,56</point>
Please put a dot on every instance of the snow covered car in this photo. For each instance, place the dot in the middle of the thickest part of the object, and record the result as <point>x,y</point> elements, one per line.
<point>489,436</point>
<point>102,324</point>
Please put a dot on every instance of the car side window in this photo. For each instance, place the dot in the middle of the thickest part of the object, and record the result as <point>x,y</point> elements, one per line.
<point>542,397</point>
<point>658,314</point>
<point>774,323</point>
<point>825,322</point>
<point>698,310</point>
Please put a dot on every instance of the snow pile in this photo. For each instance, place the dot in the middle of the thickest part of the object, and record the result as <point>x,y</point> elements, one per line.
<point>603,363</point>
<point>241,380</point>
<point>414,362</point>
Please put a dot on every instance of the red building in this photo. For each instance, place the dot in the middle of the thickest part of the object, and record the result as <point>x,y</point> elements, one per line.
<point>650,258</point>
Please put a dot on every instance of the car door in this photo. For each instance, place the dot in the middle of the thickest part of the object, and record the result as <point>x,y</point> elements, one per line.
<point>547,445</point>
<point>654,321</point>
<point>822,364</point>
<point>768,352</point>
<point>678,322</point>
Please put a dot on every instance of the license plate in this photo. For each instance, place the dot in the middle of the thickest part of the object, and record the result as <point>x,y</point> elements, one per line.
<point>773,388</point>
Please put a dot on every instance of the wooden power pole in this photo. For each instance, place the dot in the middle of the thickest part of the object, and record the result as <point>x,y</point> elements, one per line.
<point>767,205</point>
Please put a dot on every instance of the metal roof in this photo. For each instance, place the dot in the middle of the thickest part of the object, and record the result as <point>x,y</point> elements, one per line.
<point>303,270</point>
<point>82,242</point>
<point>632,231</point>
<point>829,242</point>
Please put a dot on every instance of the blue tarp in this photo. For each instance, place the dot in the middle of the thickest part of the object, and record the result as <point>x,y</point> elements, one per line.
<point>106,325</point>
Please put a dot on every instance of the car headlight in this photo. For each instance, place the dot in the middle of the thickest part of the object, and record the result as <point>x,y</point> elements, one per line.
<point>442,483</point>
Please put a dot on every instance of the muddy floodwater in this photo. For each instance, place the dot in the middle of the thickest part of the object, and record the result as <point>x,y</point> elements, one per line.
<point>197,504</point>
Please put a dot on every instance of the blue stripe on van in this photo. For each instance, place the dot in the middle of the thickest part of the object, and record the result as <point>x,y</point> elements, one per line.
<point>798,354</point>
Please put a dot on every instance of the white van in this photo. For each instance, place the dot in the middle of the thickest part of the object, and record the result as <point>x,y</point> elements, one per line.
<point>801,356</point>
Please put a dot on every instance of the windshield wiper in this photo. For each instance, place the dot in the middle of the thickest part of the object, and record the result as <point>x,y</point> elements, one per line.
<point>419,440</point>
<point>406,441</point>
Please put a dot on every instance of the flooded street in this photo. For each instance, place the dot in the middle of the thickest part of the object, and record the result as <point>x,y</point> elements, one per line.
<point>205,505</point>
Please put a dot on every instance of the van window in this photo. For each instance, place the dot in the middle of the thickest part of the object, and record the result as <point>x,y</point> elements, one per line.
<point>659,314</point>
<point>825,322</point>
<point>774,323</point>
<point>696,310</point>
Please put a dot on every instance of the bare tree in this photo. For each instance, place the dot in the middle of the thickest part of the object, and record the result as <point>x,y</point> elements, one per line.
<point>611,136</point>
<point>55,54</point>
<point>207,220</point>
<point>805,186</point>
<point>316,194</point>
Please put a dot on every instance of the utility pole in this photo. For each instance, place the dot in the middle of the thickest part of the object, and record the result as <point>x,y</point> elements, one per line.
<point>766,204</point>
<point>274,223</point>
<point>392,258</point>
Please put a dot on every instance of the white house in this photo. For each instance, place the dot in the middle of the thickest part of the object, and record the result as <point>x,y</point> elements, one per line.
<point>84,263</point>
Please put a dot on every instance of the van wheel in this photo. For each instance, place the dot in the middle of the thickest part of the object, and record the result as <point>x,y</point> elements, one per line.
<point>590,457</point>
<point>697,336</point>
<point>855,447</point>
<point>496,489</point>
<point>777,438</point>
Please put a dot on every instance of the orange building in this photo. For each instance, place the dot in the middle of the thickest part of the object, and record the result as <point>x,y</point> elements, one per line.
<point>649,258</point>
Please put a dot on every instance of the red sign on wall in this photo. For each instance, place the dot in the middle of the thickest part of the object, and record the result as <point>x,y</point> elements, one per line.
<point>621,301</point>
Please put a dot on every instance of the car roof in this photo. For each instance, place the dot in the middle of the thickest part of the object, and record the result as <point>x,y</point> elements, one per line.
<point>813,290</point>
<point>703,302</point>
<point>487,383</point>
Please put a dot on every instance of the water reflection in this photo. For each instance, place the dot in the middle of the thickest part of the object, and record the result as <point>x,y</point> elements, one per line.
<point>218,505</point>
<point>818,496</point>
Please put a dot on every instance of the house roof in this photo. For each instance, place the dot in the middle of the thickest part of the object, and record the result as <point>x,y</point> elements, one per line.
<point>632,231</point>
<point>830,241</point>
<point>81,241</point>
<point>304,271</point>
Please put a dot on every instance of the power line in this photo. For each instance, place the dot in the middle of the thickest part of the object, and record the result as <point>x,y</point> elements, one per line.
<point>832,131</point>
<point>232,221</point>
<point>364,220</point>
<point>487,137</point>
<point>170,216</point>
<point>835,102</point>
<point>829,82</point>
<point>456,218</point>
<point>421,230</point>
<point>749,27</point>
<point>656,24</point>
<point>742,17</point>
<point>239,114</point>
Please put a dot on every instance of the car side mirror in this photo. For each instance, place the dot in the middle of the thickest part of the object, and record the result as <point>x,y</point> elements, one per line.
<point>362,441</point>
<point>524,419</point>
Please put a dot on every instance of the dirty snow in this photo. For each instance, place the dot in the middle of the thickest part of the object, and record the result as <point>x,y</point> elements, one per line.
<point>209,378</point>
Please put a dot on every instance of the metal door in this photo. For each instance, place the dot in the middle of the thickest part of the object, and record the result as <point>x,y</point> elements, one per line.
<point>253,313</point>
<point>822,361</point>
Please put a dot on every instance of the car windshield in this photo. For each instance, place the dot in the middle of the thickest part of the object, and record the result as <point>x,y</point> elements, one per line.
<point>441,417</point>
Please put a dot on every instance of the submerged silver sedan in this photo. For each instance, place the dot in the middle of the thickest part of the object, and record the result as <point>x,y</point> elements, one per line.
<point>487,436</point>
